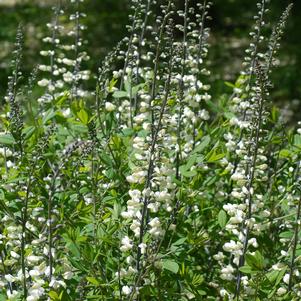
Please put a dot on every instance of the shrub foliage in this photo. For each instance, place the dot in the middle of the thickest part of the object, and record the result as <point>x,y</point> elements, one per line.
<point>148,188</point>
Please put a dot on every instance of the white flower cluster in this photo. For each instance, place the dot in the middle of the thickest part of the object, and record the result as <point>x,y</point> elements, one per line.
<point>248,170</point>
<point>64,72</point>
<point>37,272</point>
<point>156,145</point>
<point>287,260</point>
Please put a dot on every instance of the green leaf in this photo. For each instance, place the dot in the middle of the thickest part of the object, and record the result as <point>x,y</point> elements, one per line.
<point>78,127</point>
<point>297,140</point>
<point>274,114</point>
<point>215,157</point>
<point>246,269</point>
<point>222,218</point>
<point>197,279</point>
<point>280,276</point>
<point>28,132</point>
<point>135,89</point>
<point>203,144</point>
<point>187,173</point>
<point>276,276</point>
<point>3,297</point>
<point>185,170</point>
<point>286,234</point>
<point>127,86</point>
<point>213,106</point>
<point>229,115</point>
<point>256,261</point>
<point>120,94</point>
<point>202,293</point>
<point>54,296</point>
<point>228,84</point>
<point>93,280</point>
<point>170,265</point>
<point>83,116</point>
<point>128,132</point>
<point>73,248</point>
<point>7,139</point>
<point>191,161</point>
<point>48,116</point>
<point>285,153</point>
<point>62,99</point>
<point>64,296</point>
<point>179,241</point>
<point>272,276</point>
<point>112,84</point>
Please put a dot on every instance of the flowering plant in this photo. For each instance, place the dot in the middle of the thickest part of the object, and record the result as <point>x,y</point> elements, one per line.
<point>148,188</point>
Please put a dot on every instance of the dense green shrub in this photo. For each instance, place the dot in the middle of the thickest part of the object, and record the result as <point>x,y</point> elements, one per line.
<point>148,188</point>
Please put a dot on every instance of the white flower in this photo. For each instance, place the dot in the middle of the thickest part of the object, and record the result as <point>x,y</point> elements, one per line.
<point>116,74</point>
<point>238,176</point>
<point>109,106</point>
<point>44,53</point>
<point>237,219</point>
<point>14,254</point>
<point>32,298</point>
<point>223,293</point>
<point>135,227</point>
<point>66,112</point>
<point>204,115</point>
<point>206,97</point>
<point>68,275</point>
<point>126,244</point>
<point>68,77</point>
<point>142,246</point>
<point>137,177</point>
<point>34,273</point>
<point>43,83</point>
<point>283,253</point>
<point>9,278</point>
<point>5,151</point>
<point>140,118</point>
<point>68,62</point>
<point>47,271</point>
<point>232,246</point>
<point>190,295</point>
<point>219,256</point>
<point>33,258</point>
<point>12,295</point>
<point>236,194</point>
<point>286,278</point>
<point>36,291</point>
<point>227,272</point>
<point>126,290</point>
<point>153,207</point>
<point>155,227</point>
<point>155,222</point>
<point>9,164</point>
<point>188,113</point>
<point>278,266</point>
<point>129,259</point>
<point>57,283</point>
<point>44,68</point>
<point>253,242</point>
<point>281,291</point>
<point>127,214</point>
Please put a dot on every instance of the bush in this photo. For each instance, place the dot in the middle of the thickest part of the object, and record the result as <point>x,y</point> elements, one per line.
<point>147,188</point>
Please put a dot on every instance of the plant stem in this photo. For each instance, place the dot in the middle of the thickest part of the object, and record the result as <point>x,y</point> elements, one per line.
<point>292,265</point>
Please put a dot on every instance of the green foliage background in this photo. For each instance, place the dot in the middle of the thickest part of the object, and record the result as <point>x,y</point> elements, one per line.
<point>106,23</point>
